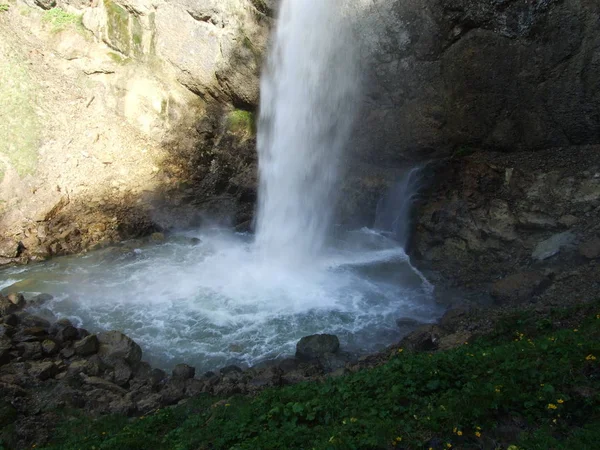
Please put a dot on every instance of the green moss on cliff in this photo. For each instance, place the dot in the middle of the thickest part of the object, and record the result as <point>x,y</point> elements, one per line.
<point>241,122</point>
<point>118,26</point>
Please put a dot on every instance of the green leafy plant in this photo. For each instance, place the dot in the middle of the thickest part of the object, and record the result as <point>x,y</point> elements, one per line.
<point>4,7</point>
<point>241,121</point>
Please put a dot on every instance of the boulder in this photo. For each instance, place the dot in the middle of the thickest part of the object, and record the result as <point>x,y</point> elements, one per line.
<point>184,372</point>
<point>520,286</point>
<point>553,245</point>
<point>17,299</point>
<point>87,346</point>
<point>7,307</point>
<point>590,249</point>
<point>424,339</point>
<point>50,347</point>
<point>43,370</point>
<point>9,248</point>
<point>66,334</point>
<point>311,347</point>
<point>115,346</point>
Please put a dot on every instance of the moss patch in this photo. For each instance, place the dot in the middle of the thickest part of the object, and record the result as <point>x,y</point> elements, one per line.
<point>240,121</point>
<point>19,124</point>
<point>118,26</point>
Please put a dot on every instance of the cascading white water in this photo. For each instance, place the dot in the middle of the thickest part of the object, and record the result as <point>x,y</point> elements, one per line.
<point>307,96</point>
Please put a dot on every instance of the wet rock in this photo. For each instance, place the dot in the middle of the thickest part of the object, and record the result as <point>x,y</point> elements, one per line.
<point>122,372</point>
<point>269,377</point>
<point>310,347</point>
<point>66,334</point>
<point>82,333</point>
<point>114,346</point>
<point>27,320</point>
<point>230,370</point>
<point>17,299</point>
<point>43,370</point>
<point>40,299</point>
<point>173,391</point>
<point>67,353</point>
<point>184,372</point>
<point>7,307</point>
<point>330,362</point>
<point>425,339</point>
<point>407,322</point>
<point>590,249</point>
<point>29,350</point>
<point>194,387</point>
<point>553,245</point>
<point>59,325</point>
<point>87,346</point>
<point>11,319</point>
<point>519,287</point>
<point>6,331</point>
<point>50,347</point>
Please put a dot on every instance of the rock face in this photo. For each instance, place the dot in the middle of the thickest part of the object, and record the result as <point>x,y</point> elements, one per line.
<point>505,76</point>
<point>515,217</point>
<point>142,130</point>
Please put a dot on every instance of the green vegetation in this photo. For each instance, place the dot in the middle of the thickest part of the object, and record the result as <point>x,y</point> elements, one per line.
<point>511,390</point>
<point>241,121</point>
<point>4,7</point>
<point>60,20</point>
<point>19,123</point>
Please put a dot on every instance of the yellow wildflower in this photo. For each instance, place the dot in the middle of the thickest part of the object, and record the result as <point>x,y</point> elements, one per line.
<point>353,419</point>
<point>552,406</point>
<point>398,439</point>
<point>400,350</point>
<point>478,434</point>
<point>560,400</point>
<point>575,330</point>
<point>590,357</point>
<point>459,433</point>
<point>449,445</point>
<point>478,428</point>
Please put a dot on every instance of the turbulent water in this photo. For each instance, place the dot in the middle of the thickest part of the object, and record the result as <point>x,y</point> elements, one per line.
<point>307,95</point>
<point>212,297</point>
<point>214,303</point>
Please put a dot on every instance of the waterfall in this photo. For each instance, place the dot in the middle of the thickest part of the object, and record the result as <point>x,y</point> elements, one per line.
<point>308,93</point>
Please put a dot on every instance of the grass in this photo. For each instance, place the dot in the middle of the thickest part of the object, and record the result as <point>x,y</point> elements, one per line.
<point>58,19</point>
<point>4,7</point>
<point>508,391</point>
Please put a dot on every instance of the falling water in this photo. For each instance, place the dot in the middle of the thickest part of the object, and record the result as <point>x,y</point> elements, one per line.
<point>307,97</point>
